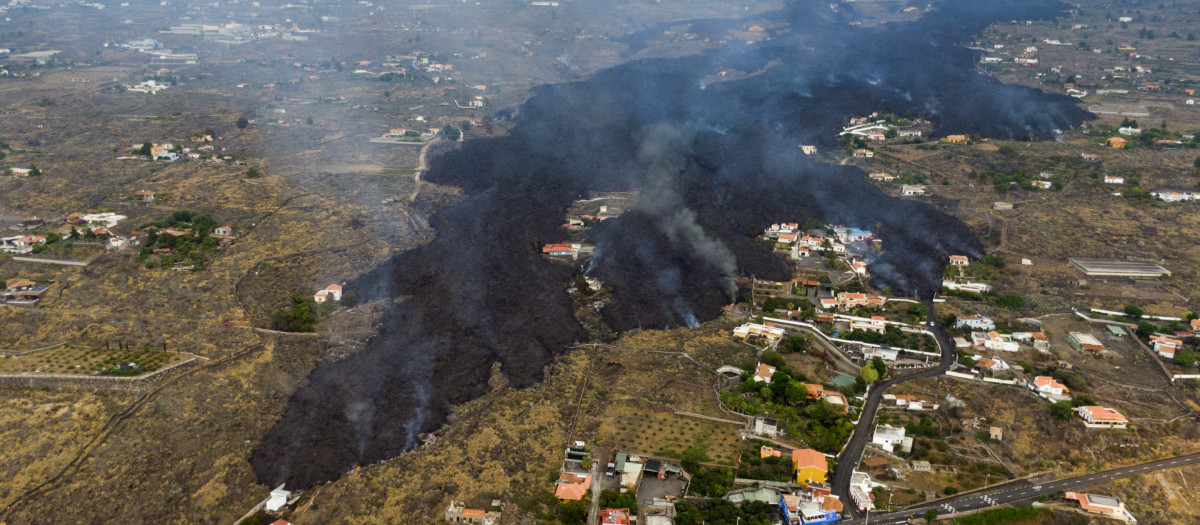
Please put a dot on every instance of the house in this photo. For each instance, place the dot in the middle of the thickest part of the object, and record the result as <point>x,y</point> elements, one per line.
<point>888,437</point>
<point>1113,179</point>
<point>914,402</point>
<point>107,219</point>
<point>1129,130</point>
<point>225,230</point>
<point>23,244</point>
<point>996,433</point>
<point>882,177</point>
<point>145,196</point>
<point>572,487</point>
<point>808,150</point>
<point>163,152</point>
<point>333,291</point>
<point>810,508</point>
<point>994,340</point>
<point>765,426</point>
<point>1041,343</point>
<point>459,513</point>
<point>875,324</point>
<point>810,466</point>
<point>959,260</point>
<point>1115,142</point>
<point>1002,206</point>
<point>850,300</point>
<point>818,392</point>
<point>764,372</point>
<point>1026,262</point>
<point>909,133</point>
<point>560,250</point>
<point>912,190</point>
<point>1101,417</point>
<point>861,488</point>
<point>969,287</point>
<point>22,291</point>
<point>1107,506</point>
<point>1176,196</point>
<point>1166,346</point>
<point>922,466</point>
<point>863,153</point>
<point>875,464</point>
<point>975,322</point>
<point>768,452</point>
<point>614,517</point>
<point>1047,385</point>
<point>1194,324</point>
<point>993,364</point>
<point>1081,341</point>
<point>752,331</point>
<point>887,355</point>
<point>1042,184</point>
<point>278,499</point>
<point>956,139</point>
<point>1089,157</point>
<point>20,172</point>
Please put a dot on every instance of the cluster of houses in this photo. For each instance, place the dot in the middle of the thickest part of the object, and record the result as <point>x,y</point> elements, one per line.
<point>996,341</point>
<point>98,224</point>
<point>1176,196</point>
<point>21,291</point>
<point>20,244</point>
<point>789,238</point>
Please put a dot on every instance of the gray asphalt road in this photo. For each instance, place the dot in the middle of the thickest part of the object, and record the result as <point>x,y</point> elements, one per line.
<point>853,451</point>
<point>1023,492</point>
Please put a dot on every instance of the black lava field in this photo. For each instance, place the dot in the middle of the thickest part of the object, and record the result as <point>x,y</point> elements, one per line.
<point>711,158</point>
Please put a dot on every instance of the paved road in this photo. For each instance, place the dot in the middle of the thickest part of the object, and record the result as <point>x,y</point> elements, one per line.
<point>853,451</point>
<point>1024,492</point>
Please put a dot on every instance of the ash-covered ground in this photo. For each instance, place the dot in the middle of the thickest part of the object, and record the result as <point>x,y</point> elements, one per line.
<point>711,159</point>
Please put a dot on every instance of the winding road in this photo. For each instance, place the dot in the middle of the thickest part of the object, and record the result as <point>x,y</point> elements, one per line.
<point>853,451</point>
<point>1023,492</point>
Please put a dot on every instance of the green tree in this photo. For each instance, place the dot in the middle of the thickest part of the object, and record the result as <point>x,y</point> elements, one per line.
<point>931,515</point>
<point>1012,302</point>
<point>1134,311</point>
<point>465,125</point>
<point>253,173</point>
<point>1185,357</point>
<point>488,123</point>
<point>966,361</point>
<point>1061,410</point>
<point>574,513</point>
<point>795,393</point>
<point>880,367</point>
<point>773,358</point>
<point>869,374</point>
<point>451,133</point>
<point>581,285</point>
<point>242,122</point>
<point>993,261</point>
<point>145,149</point>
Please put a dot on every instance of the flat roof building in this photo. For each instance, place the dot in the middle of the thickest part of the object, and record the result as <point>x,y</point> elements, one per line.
<point>1118,268</point>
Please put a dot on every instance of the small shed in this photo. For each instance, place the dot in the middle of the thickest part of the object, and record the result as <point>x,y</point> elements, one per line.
<point>996,433</point>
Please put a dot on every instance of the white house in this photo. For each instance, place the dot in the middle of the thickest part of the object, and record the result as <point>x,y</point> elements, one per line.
<point>912,190</point>
<point>874,324</point>
<point>1113,179</point>
<point>278,499</point>
<point>888,437</point>
<point>764,372</point>
<point>976,322</point>
<point>333,291</point>
<point>108,220</point>
<point>959,260</point>
<point>1129,131</point>
<point>1047,385</point>
<point>223,230</point>
<point>771,333</point>
<point>808,150</point>
<point>1101,417</point>
<point>885,354</point>
<point>969,287</point>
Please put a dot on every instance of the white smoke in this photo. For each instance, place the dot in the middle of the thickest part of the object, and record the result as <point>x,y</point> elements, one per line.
<point>663,150</point>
